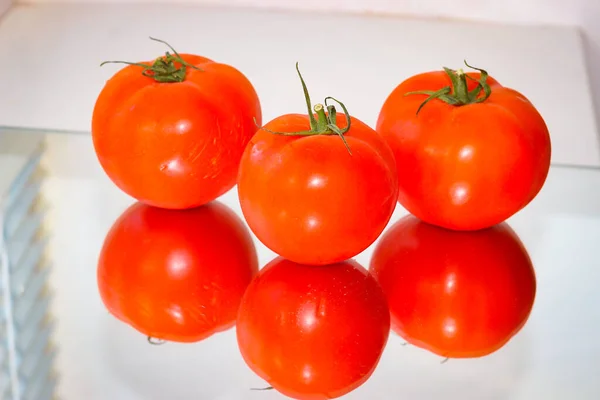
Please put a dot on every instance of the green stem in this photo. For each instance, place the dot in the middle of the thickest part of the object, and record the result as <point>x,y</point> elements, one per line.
<point>325,123</point>
<point>163,69</point>
<point>458,94</point>
<point>313,122</point>
<point>459,85</point>
<point>322,120</point>
<point>262,389</point>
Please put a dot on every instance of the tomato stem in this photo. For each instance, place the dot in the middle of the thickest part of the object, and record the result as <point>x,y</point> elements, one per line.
<point>163,69</point>
<point>325,123</point>
<point>263,389</point>
<point>458,94</point>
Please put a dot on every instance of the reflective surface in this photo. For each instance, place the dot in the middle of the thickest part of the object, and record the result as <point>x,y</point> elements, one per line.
<point>26,351</point>
<point>554,355</point>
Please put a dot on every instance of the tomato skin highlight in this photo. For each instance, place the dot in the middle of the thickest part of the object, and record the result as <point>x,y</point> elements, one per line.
<point>175,145</point>
<point>455,294</point>
<point>311,201</point>
<point>176,275</point>
<point>465,167</point>
<point>313,332</point>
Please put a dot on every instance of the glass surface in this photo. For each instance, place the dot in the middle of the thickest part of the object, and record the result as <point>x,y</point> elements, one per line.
<point>554,356</point>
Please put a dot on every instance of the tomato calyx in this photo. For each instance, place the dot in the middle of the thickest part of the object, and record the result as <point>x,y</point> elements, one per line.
<point>164,69</point>
<point>325,123</point>
<point>458,94</point>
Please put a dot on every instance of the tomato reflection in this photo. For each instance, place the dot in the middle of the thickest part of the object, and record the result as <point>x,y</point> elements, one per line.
<point>456,294</point>
<point>176,275</point>
<point>313,332</point>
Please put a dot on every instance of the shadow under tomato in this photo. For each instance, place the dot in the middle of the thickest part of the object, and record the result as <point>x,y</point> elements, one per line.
<point>455,294</point>
<point>176,275</point>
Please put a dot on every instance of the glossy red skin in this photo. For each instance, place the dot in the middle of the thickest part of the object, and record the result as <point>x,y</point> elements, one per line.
<point>176,275</point>
<point>313,332</point>
<point>308,199</point>
<point>175,145</point>
<point>467,167</point>
<point>456,294</point>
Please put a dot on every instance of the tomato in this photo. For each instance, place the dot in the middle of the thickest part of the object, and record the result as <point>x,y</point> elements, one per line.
<point>176,275</point>
<point>317,190</point>
<point>171,135</point>
<point>466,160</point>
<point>313,332</point>
<point>456,294</point>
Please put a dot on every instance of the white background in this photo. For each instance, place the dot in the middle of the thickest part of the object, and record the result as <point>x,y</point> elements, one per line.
<point>357,58</point>
<point>583,13</point>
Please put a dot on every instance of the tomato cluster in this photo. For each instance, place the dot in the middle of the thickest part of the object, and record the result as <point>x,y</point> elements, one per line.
<point>457,150</point>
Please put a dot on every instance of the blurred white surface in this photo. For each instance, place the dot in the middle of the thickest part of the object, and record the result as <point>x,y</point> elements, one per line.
<point>553,357</point>
<point>530,12</point>
<point>580,13</point>
<point>56,49</point>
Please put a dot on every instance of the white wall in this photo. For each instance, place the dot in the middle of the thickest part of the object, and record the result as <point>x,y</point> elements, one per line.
<point>584,13</point>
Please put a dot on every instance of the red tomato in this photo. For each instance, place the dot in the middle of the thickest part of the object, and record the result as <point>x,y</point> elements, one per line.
<point>469,164</point>
<point>313,332</point>
<point>456,294</point>
<point>176,275</point>
<point>316,194</point>
<point>174,139</point>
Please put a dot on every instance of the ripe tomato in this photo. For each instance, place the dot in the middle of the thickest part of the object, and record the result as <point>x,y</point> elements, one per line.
<point>456,294</point>
<point>313,332</point>
<point>172,135</point>
<point>466,161</point>
<point>176,275</point>
<point>317,191</point>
